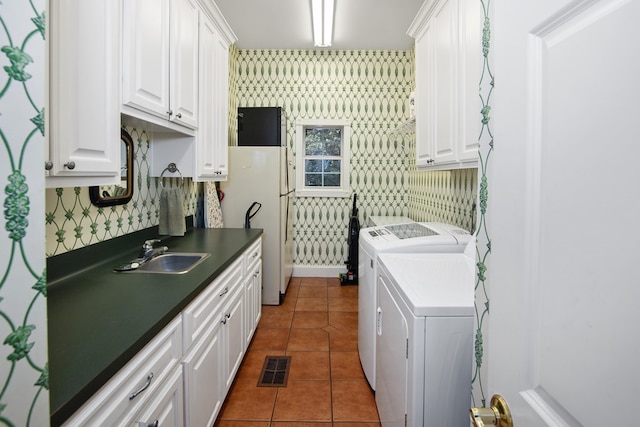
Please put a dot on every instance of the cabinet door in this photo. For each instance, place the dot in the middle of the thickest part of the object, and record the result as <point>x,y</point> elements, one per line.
<point>183,92</point>
<point>166,407</point>
<point>253,299</point>
<point>206,308</point>
<point>145,74</point>
<point>444,112</point>
<point>221,113</point>
<point>212,139</point>
<point>424,97</point>
<point>206,161</point>
<point>234,342</point>
<point>84,62</point>
<point>202,373</point>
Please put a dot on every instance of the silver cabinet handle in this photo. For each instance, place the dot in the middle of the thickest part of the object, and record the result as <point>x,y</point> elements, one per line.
<point>225,317</point>
<point>255,254</point>
<point>153,424</point>
<point>226,290</point>
<point>144,387</point>
<point>48,165</point>
<point>179,116</point>
<point>70,165</point>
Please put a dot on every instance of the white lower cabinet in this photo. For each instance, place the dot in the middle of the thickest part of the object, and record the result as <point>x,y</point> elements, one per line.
<point>233,343</point>
<point>203,393</point>
<point>253,300</point>
<point>183,375</point>
<point>207,307</point>
<point>119,401</point>
<point>166,407</point>
<point>212,362</point>
<point>253,289</point>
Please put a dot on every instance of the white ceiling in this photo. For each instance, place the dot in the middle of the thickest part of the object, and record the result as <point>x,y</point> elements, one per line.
<point>286,24</point>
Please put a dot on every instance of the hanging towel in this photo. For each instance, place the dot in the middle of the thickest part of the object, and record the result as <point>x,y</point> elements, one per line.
<point>172,222</point>
<point>213,212</point>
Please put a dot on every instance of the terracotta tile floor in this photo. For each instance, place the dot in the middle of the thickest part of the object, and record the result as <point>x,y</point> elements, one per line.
<point>317,325</point>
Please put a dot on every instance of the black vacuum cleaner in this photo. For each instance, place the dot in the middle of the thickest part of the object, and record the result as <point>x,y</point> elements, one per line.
<point>351,277</point>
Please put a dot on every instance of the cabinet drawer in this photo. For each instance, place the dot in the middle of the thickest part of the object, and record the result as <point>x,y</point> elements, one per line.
<point>127,391</point>
<point>252,256</point>
<point>206,307</point>
<point>167,406</point>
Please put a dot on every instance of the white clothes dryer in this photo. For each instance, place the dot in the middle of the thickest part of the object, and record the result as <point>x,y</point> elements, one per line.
<point>425,339</point>
<point>414,237</point>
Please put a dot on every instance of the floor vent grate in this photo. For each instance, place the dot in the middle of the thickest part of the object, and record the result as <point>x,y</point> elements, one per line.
<point>275,371</point>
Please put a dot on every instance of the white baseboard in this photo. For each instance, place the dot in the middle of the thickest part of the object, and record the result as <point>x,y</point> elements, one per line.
<point>318,270</point>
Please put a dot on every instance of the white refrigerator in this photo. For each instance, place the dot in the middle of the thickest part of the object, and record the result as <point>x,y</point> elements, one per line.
<point>264,174</point>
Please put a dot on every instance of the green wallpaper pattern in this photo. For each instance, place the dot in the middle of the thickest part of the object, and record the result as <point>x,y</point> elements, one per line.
<point>370,88</point>
<point>24,377</point>
<point>73,222</point>
<point>483,234</point>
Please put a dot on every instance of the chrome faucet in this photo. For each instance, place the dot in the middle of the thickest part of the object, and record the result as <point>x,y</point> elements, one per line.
<point>150,250</point>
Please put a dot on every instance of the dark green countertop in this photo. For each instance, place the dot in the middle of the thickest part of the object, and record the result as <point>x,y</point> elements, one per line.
<point>98,319</point>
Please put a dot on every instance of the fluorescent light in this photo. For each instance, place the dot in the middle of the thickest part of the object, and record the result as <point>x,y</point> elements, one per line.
<point>322,15</point>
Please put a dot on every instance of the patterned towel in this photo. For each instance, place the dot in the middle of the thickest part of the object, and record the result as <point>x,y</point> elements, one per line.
<point>213,213</point>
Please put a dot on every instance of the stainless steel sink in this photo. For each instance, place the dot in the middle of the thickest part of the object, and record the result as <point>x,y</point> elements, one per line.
<point>173,263</point>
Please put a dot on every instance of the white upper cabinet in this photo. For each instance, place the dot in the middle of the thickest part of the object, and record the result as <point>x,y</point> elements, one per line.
<point>211,161</point>
<point>191,82</point>
<point>160,62</point>
<point>83,127</point>
<point>448,49</point>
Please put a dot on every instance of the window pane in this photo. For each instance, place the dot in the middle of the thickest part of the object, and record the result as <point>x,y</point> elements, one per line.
<point>332,148</point>
<point>332,180</point>
<point>313,165</point>
<point>322,141</point>
<point>313,180</point>
<point>331,166</point>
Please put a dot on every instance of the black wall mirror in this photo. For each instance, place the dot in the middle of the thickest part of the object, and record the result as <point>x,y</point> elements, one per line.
<point>110,195</point>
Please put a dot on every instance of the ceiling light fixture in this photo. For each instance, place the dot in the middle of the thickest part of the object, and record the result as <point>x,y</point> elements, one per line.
<point>322,16</point>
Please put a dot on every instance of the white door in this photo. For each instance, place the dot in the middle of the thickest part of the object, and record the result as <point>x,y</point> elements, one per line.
<point>564,212</point>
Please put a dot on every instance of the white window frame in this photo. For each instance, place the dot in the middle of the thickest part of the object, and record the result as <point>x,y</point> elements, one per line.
<point>345,187</point>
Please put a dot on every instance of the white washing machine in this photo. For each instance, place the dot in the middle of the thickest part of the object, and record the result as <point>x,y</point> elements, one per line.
<point>425,339</point>
<point>407,237</point>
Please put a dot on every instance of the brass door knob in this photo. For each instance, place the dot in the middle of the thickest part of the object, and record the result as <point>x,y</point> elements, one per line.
<point>497,415</point>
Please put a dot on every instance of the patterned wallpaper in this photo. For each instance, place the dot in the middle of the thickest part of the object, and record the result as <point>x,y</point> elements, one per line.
<point>483,235</point>
<point>370,88</point>
<point>73,222</point>
<point>24,378</point>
